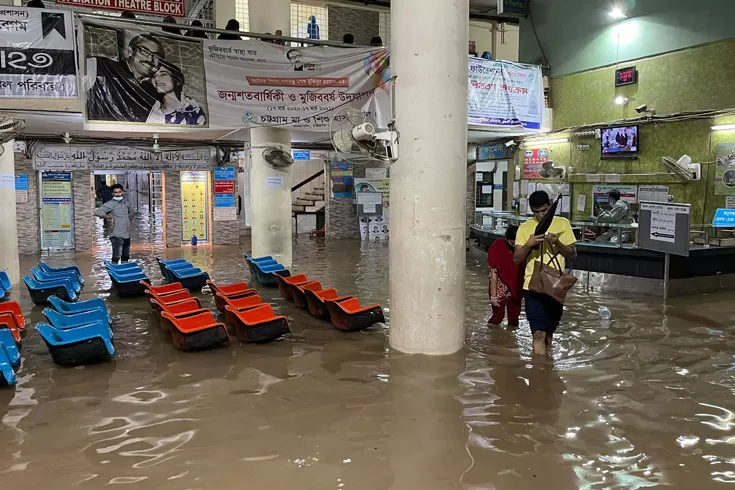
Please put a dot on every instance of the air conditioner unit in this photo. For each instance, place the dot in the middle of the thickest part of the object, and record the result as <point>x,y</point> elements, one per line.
<point>684,167</point>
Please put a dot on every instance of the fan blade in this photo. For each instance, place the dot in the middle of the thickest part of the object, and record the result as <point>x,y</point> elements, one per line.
<point>355,116</point>
<point>342,141</point>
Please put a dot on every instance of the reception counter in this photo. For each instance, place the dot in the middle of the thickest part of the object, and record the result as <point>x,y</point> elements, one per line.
<point>628,269</point>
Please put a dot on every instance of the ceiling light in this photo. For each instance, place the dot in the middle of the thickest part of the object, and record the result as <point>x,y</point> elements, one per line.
<point>620,100</point>
<point>617,13</point>
<point>546,142</point>
<point>724,127</point>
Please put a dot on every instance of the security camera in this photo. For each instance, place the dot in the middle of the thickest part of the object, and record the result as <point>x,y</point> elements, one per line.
<point>510,143</point>
<point>641,108</point>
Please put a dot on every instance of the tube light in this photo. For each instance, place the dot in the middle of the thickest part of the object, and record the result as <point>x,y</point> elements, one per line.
<point>724,127</point>
<point>546,142</point>
<point>617,13</point>
<point>620,100</point>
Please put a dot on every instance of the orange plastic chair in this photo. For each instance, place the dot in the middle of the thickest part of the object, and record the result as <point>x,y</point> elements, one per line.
<point>299,293</point>
<point>349,316</point>
<point>13,308</point>
<point>220,298</point>
<point>198,331</point>
<point>179,309</point>
<point>240,304</point>
<point>285,284</point>
<point>7,320</point>
<point>228,289</point>
<point>167,300</point>
<point>165,289</point>
<point>316,301</point>
<point>258,324</point>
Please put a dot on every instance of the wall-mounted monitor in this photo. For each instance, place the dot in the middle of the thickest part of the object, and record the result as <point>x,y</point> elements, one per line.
<point>620,142</point>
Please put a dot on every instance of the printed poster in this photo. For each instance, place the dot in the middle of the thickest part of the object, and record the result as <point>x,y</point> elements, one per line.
<point>503,93</point>
<point>37,59</point>
<point>145,77</point>
<point>533,160</point>
<point>194,219</point>
<point>57,212</point>
<point>375,185</point>
<point>340,175</point>
<point>725,170</point>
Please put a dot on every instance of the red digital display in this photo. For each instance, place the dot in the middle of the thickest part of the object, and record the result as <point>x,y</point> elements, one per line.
<point>626,76</point>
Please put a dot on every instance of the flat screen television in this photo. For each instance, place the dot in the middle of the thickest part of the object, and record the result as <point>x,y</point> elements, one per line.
<point>620,142</point>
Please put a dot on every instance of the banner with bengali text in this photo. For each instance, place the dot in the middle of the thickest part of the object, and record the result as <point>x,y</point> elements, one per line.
<point>503,93</point>
<point>137,79</point>
<point>37,59</point>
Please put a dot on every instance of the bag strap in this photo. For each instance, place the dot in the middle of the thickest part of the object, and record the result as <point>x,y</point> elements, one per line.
<point>554,258</point>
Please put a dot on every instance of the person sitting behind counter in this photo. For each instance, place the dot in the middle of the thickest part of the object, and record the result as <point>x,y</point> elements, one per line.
<point>619,213</point>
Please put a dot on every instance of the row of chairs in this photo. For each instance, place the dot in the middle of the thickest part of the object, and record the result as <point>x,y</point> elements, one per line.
<point>46,281</point>
<point>126,278</point>
<point>191,327</point>
<point>12,332</point>
<point>344,312</point>
<point>5,286</point>
<point>264,269</point>
<point>251,318</point>
<point>78,333</point>
<point>183,272</point>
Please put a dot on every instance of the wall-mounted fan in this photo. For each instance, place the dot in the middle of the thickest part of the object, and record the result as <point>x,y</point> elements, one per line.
<point>277,157</point>
<point>683,167</point>
<point>357,139</point>
<point>10,127</point>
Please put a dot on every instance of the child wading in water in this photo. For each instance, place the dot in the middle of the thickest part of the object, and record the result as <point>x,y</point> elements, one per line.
<point>506,280</point>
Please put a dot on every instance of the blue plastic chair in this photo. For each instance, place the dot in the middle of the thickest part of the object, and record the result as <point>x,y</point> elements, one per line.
<point>41,291</point>
<point>268,268</point>
<point>4,294</point>
<point>85,344</point>
<point>65,322</point>
<point>190,272</point>
<point>71,268</point>
<point>258,259</point>
<point>122,267</point>
<point>5,281</point>
<point>127,276</point>
<point>6,369</point>
<point>41,276</point>
<point>10,347</point>
<point>67,308</point>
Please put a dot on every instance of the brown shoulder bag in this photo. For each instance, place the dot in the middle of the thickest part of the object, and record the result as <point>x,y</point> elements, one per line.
<point>549,280</point>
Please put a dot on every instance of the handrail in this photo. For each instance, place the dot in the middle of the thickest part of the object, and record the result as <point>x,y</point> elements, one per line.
<point>309,179</point>
<point>262,37</point>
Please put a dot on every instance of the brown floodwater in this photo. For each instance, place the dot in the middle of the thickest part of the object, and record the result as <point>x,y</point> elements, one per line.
<point>644,401</point>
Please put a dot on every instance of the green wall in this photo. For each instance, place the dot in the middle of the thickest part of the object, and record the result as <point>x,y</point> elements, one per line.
<point>695,79</point>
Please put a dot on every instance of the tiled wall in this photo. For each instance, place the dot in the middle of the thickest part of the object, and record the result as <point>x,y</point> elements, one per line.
<point>341,219</point>
<point>172,208</point>
<point>363,24</point>
<point>27,213</point>
<point>470,198</point>
<point>83,192</point>
<point>225,232</point>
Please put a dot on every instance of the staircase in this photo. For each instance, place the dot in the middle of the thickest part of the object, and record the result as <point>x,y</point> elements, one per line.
<point>309,198</point>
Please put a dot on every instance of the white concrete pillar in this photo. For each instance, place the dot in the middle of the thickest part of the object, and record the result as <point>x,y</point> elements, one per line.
<point>8,223</point>
<point>428,182</point>
<point>271,210</point>
<point>271,192</point>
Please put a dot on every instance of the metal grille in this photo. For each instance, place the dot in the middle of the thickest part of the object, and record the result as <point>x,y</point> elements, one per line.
<point>242,14</point>
<point>301,14</point>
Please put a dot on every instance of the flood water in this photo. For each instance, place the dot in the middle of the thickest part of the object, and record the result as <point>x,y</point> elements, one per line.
<point>643,402</point>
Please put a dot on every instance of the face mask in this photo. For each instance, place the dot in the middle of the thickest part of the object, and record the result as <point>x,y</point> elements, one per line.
<point>117,198</point>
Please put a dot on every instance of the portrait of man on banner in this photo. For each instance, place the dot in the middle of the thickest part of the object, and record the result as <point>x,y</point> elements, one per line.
<point>137,77</point>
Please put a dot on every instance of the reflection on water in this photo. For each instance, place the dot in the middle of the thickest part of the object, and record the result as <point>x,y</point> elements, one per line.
<point>644,401</point>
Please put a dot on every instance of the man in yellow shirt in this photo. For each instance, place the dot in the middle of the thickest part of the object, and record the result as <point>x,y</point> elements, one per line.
<point>542,311</point>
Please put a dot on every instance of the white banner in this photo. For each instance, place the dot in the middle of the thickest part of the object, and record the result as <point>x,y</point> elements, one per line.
<point>503,93</point>
<point>37,59</point>
<point>51,157</point>
<point>136,78</point>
